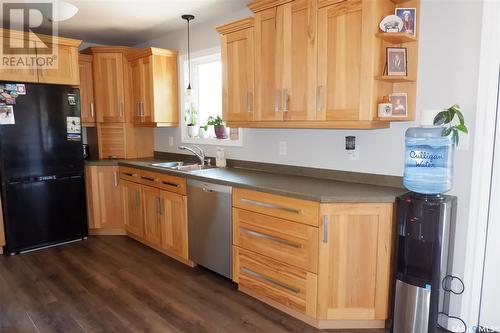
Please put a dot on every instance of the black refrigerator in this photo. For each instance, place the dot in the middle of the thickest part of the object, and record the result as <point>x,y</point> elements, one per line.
<point>41,166</point>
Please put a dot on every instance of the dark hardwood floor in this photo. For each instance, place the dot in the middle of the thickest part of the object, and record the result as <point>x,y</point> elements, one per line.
<point>115,284</point>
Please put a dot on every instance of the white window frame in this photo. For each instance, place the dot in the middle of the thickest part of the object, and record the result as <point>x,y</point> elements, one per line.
<point>200,56</point>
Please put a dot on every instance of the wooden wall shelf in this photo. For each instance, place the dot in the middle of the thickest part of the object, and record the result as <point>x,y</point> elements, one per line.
<point>396,37</point>
<point>394,79</point>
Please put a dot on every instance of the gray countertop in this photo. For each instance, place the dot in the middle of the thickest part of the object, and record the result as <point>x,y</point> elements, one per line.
<point>314,189</point>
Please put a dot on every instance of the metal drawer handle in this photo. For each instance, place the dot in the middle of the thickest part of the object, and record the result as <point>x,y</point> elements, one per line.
<point>171,184</point>
<point>148,178</point>
<point>271,280</point>
<point>326,221</point>
<point>271,238</point>
<point>130,174</point>
<point>272,206</point>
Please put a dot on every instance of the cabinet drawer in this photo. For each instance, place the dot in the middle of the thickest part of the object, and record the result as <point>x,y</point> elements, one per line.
<point>298,210</point>
<point>130,174</point>
<point>164,182</point>
<point>290,242</point>
<point>292,287</point>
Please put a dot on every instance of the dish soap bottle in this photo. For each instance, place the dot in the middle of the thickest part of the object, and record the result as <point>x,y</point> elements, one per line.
<point>220,158</point>
<point>429,157</point>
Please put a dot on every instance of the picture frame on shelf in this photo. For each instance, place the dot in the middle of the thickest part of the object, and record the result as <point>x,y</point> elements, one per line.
<point>399,103</point>
<point>396,61</point>
<point>409,17</point>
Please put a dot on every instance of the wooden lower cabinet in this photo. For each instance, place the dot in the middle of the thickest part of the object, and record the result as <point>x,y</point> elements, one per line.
<point>132,208</point>
<point>104,200</point>
<point>174,229</point>
<point>155,211</point>
<point>152,210</point>
<point>331,274</point>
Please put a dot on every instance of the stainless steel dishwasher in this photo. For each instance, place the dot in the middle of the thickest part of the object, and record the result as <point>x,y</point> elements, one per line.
<point>209,224</point>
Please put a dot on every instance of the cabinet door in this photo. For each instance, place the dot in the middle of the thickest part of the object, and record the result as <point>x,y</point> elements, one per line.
<point>104,198</point>
<point>268,64</point>
<point>354,267</point>
<point>300,59</point>
<point>87,93</point>
<point>174,233</point>
<point>339,61</point>
<point>66,69</point>
<point>132,208</point>
<point>109,87</point>
<point>142,95</point>
<point>238,75</point>
<point>17,74</point>
<point>151,209</point>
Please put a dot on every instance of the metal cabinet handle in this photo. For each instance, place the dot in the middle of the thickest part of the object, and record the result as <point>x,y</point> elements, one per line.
<point>130,174</point>
<point>148,178</point>
<point>137,198</point>
<point>249,101</point>
<point>157,204</point>
<point>115,178</point>
<point>92,112</point>
<point>277,94</point>
<point>319,104</point>
<point>142,109</point>
<point>272,206</point>
<point>271,280</point>
<point>326,221</point>
<point>120,109</point>
<point>271,238</point>
<point>171,184</point>
<point>137,109</point>
<point>284,96</point>
<point>162,206</point>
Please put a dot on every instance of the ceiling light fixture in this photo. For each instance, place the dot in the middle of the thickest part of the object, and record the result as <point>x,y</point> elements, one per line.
<point>189,91</point>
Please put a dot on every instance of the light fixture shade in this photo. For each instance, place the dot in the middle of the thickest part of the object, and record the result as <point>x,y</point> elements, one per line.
<point>63,11</point>
<point>190,96</point>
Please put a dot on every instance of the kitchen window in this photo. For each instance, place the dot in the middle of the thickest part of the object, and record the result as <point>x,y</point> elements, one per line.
<point>206,105</point>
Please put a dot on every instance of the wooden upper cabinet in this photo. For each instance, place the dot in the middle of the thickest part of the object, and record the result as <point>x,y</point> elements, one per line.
<point>66,69</point>
<point>154,87</point>
<point>109,87</point>
<point>299,60</point>
<point>19,75</point>
<point>237,45</point>
<point>174,228</point>
<point>268,64</point>
<point>344,62</point>
<point>87,105</point>
<point>355,249</point>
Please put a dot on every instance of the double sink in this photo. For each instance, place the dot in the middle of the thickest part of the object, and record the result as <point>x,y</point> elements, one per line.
<point>181,166</point>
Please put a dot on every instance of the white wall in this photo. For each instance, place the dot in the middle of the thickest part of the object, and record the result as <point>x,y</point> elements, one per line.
<point>448,72</point>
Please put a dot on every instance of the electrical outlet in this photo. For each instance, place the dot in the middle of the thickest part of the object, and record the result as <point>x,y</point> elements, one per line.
<point>283,148</point>
<point>170,141</point>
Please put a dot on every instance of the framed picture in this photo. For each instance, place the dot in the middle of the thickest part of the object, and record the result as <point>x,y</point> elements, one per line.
<point>399,103</point>
<point>396,61</point>
<point>409,17</point>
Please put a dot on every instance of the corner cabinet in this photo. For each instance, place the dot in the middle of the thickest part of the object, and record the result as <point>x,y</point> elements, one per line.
<point>104,200</point>
<point>328,265</point>
<point>317,64</point>
<point>154,87</point>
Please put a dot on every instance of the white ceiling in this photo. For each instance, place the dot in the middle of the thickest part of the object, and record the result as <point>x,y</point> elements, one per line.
<point>127,22</point>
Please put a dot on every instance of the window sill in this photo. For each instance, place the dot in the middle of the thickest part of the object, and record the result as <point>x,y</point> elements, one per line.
<point>214,142</point>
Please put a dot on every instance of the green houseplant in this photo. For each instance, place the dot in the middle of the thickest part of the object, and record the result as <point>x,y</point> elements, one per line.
<point>446,117</point>
<point>220,129</point>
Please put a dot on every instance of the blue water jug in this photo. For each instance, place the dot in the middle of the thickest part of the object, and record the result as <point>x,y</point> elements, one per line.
<point>429,158</point>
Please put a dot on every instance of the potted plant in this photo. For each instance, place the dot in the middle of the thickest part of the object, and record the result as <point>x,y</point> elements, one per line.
<point>220,129</point>
<point>192,121</point>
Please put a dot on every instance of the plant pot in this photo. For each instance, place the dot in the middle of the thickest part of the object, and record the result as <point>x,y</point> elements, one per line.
<point>220,132</point>
<point>204,133</point>
<point>193,131</point>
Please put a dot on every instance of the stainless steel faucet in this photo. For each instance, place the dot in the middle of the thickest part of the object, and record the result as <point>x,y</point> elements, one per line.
<point>196,150</point>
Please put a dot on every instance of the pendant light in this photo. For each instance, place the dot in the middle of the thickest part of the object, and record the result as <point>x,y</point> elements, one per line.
<point>189,91</point>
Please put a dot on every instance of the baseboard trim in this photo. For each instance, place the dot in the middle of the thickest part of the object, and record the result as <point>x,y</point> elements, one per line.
<point>107,232</point>
<point>320,324</point>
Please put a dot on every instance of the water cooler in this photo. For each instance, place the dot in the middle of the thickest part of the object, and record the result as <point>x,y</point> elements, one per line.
<point>423,263</point>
